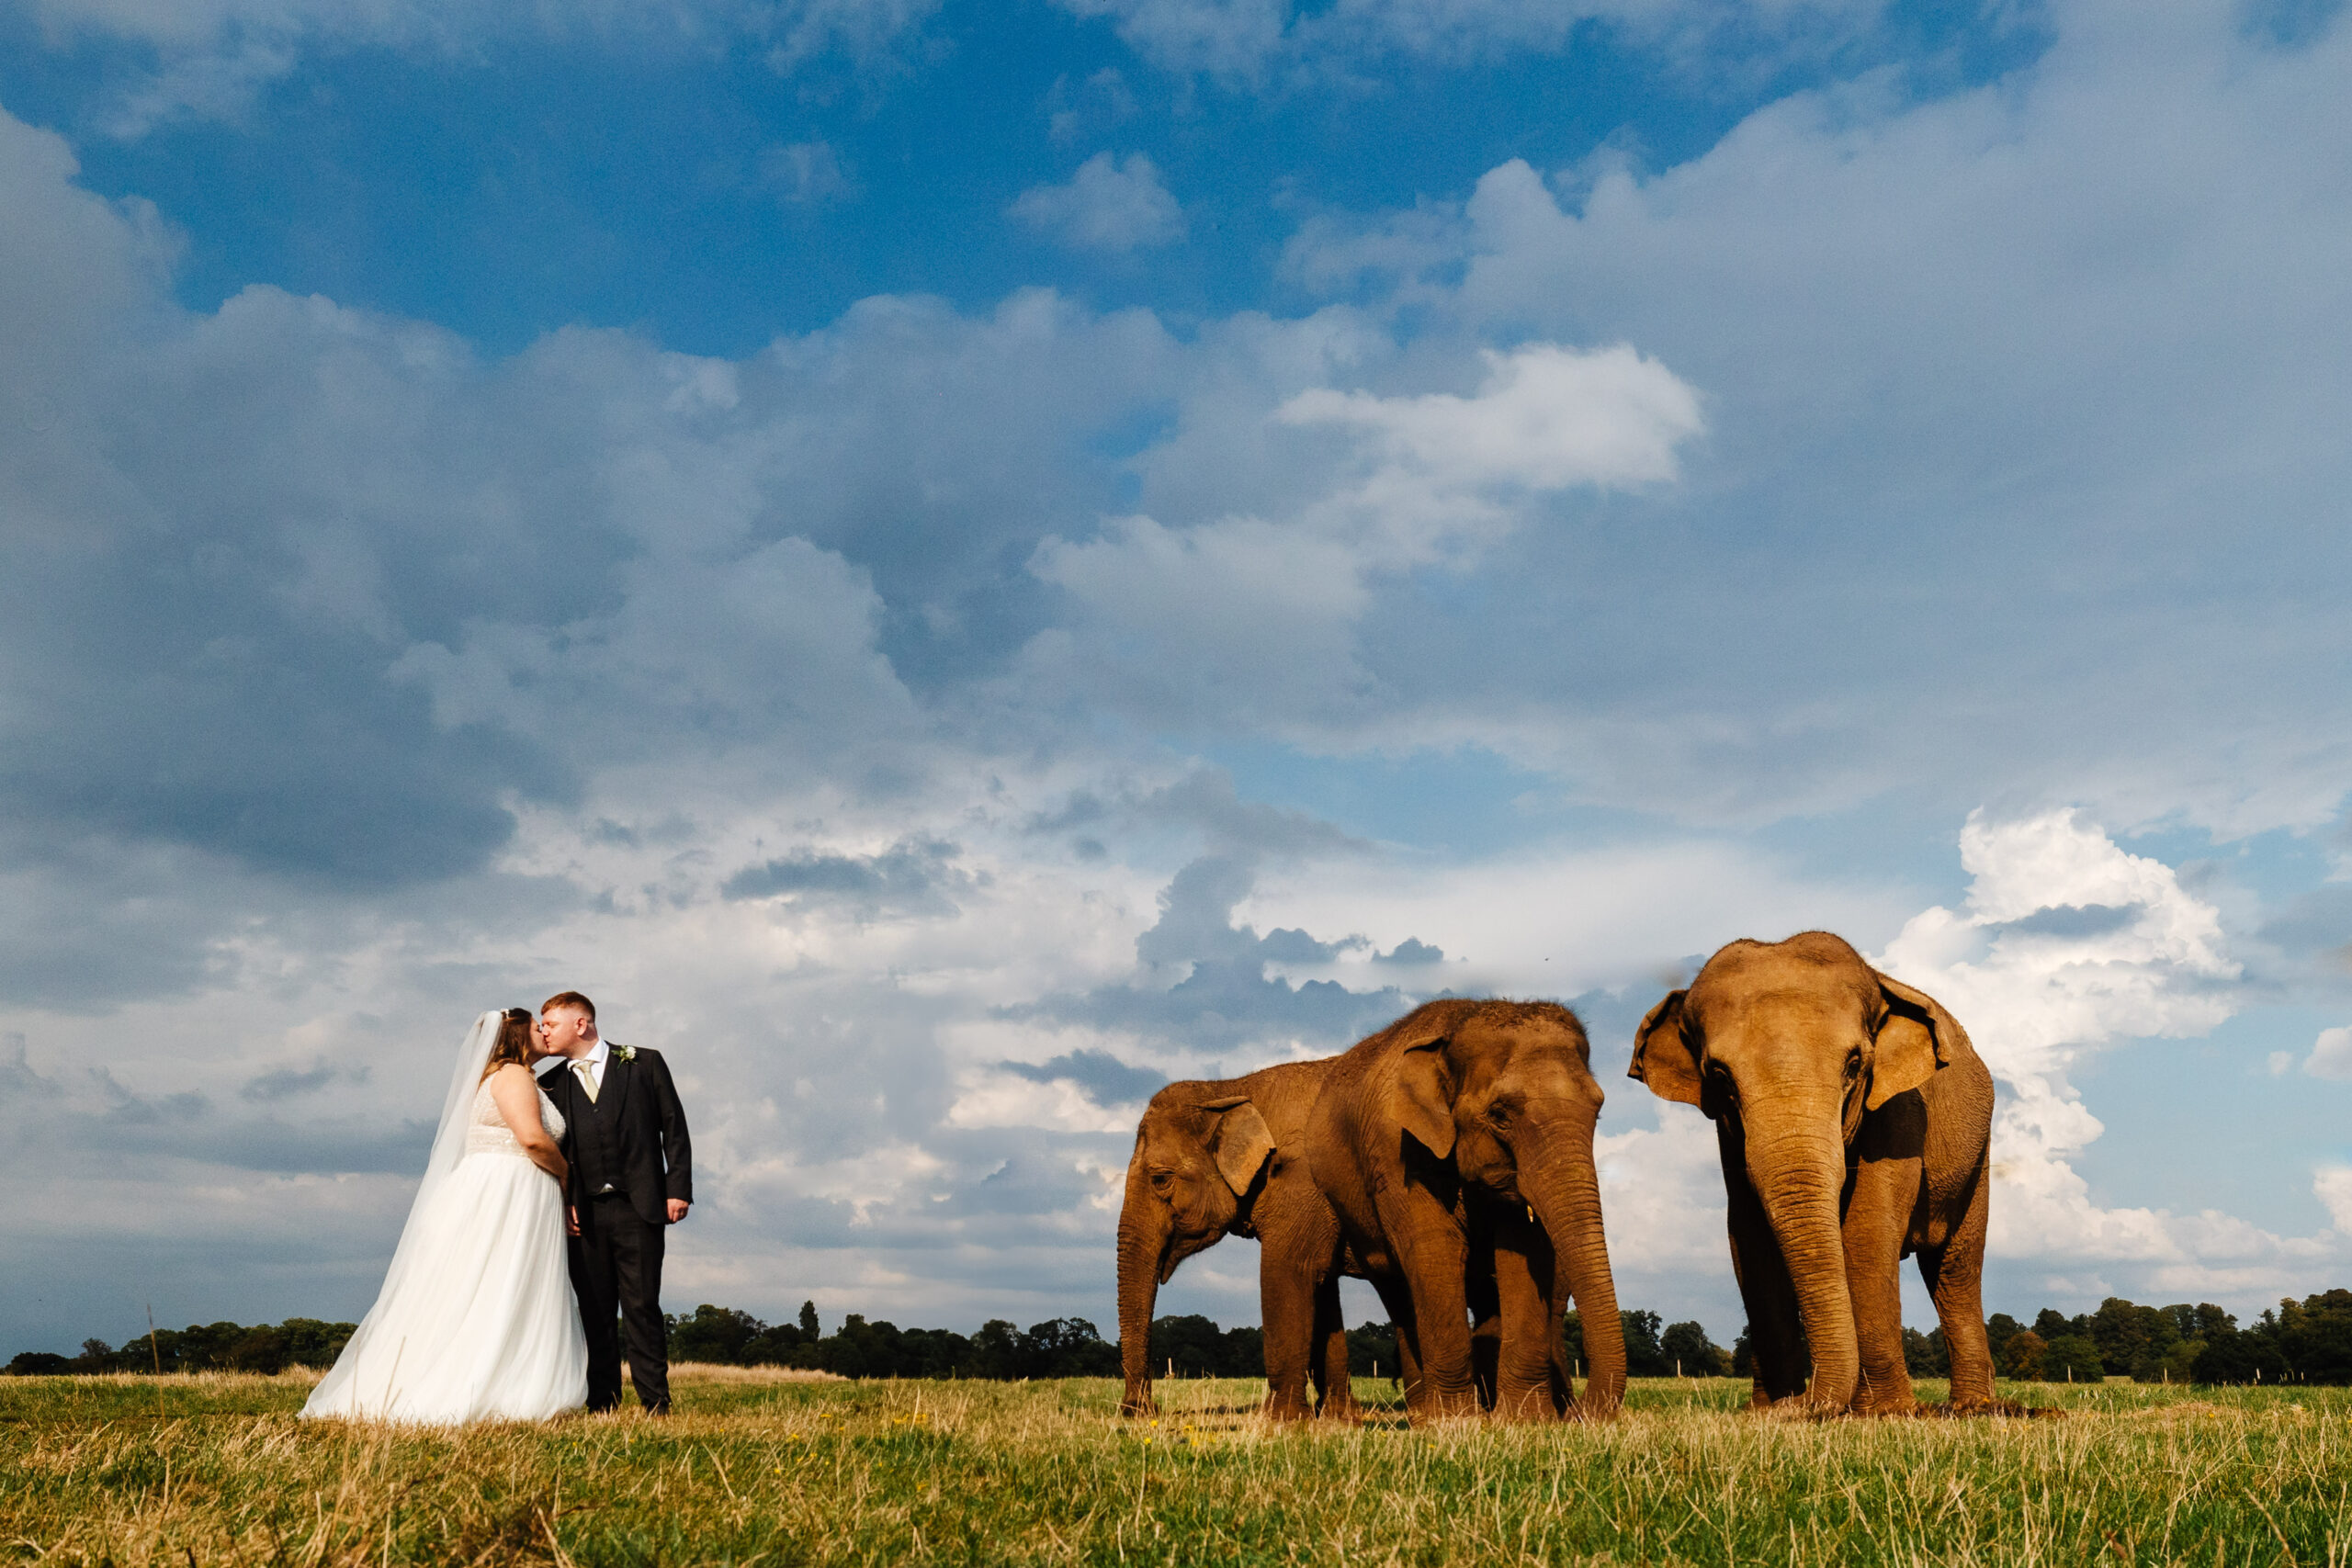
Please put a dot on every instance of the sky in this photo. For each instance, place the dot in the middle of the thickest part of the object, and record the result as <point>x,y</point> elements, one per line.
<point>950,564</point>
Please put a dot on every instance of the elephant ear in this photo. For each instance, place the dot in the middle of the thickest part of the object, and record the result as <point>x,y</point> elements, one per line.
<point>1240,1143</point>
<point>1662,1055</point>
<point>1915,1039</point>
<point>1424,1094</point>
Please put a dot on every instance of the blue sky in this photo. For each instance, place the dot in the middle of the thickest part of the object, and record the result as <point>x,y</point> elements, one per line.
<point>946,561</point>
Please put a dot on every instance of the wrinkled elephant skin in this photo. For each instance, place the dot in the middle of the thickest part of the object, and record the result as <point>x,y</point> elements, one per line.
<point>1226,1157</point>
<point>1464,1132</point>
<point>1854,1119</point>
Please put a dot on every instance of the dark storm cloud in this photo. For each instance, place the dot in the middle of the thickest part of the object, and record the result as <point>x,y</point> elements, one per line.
<point>283,1083</point>
<point>1106,1080</point>
<point>2071,920</point>
<point>1217,995</point>
<point>916,876</point>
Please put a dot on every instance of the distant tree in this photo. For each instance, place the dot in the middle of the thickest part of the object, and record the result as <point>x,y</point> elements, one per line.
<point>1686,1345</point>
<point>1372,1351</point>
<point>2234,1355</point>
<point>1925,1355</point>
<point>2024,1355</point>
<point>1191,1346</point>
<point>2315,1336</point>
<point>713,1333</point>
<point>2050,1324</point>
<point>1067,1348</point>
<point>38,1364</point>
<point>1645,1357</point>
<point>2072,1357</point>
<point>1998,1328</point>
<point>809,1319</point>
<point>1743,1355</point>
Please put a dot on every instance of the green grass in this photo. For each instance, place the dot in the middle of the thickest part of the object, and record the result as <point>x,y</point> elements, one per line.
<point>215,1469</point>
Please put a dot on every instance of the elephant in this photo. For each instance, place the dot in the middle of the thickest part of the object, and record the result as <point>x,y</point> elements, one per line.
<point>1854,1119</point>
<point>1214,1159</point>
<point>1467,1126</point>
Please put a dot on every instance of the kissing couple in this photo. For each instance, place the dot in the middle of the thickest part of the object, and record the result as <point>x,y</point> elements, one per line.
<point>541,1222</point>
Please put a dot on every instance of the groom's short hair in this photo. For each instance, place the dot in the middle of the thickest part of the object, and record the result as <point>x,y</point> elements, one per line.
<point>569,1000</point>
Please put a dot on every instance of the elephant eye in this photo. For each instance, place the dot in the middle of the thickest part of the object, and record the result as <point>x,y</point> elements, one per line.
<point>1161,1179</point>
<point>1500,1115</point>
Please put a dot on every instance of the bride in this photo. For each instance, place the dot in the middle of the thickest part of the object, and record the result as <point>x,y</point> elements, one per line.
<point>477,1319</point>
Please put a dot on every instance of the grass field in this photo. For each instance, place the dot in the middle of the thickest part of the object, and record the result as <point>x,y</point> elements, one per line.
<point>215,1469</point>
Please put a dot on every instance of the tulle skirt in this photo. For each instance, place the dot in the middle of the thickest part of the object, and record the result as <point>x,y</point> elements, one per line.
<point>476,1321</point>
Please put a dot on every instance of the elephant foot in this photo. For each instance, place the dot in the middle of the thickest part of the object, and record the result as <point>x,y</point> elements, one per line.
<point>1343,1410</point>
<point>1525,1406</point>
<point>1139,1405</point>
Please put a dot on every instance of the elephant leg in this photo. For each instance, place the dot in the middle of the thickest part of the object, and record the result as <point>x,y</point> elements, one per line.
<point>1954,1274</point>
<point>1334,1386</point>
<point>1877,1215</point>
<point>1525,1375</point>
<point>1775,1330</point>
<point>1286,1305</point>
<point>1485,1309</point>
<point>1398,1301</point>
<point>1434,1263</point>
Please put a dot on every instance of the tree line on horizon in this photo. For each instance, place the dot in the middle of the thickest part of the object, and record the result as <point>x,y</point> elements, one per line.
<point>2306,1341</point>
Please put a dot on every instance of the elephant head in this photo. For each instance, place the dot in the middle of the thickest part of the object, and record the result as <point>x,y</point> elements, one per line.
<point>1506,1090</point>
<point>1796,1042</point>
<point>1199,1152</point>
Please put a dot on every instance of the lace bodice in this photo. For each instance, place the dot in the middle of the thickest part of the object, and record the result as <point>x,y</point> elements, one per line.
<point>487,1131</point>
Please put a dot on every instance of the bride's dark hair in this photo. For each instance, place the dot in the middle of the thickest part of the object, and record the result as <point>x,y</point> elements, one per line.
<point>515,1034</point>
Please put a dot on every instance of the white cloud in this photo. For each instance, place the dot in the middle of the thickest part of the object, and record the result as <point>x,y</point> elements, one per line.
<point>804,173</point>
<point>1116,205</point>
<point>213,56</point>
<point>2331,1054</point>
<point>1252,37</point>
<point>2333,1187</point>
<point>1546,417</point>
<point>1256,615</point>
<point>2066,945</point>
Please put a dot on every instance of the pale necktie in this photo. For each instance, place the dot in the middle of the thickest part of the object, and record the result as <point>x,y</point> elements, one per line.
<point>587,1071</point>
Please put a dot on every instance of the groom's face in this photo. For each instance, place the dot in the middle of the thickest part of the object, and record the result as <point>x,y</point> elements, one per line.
<point>565,1031</point>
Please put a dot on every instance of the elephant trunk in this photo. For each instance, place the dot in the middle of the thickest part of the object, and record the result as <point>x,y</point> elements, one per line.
<point>1141,1253</point>
<point>1562,1186</point>
<point>1799,1178</point>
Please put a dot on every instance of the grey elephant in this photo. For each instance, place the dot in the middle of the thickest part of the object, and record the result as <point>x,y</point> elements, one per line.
<point>1853,1117</point>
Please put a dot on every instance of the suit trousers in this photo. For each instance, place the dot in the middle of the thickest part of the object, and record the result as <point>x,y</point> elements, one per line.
<point>617,1271</point>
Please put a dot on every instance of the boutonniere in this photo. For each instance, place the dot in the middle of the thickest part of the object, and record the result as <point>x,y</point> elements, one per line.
<point>624,1053</point>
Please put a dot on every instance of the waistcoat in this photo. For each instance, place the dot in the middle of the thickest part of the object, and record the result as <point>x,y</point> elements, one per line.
<point>596,1139</point>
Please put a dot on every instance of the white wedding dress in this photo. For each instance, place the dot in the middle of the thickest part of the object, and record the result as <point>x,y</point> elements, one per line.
<point>477,1320</point>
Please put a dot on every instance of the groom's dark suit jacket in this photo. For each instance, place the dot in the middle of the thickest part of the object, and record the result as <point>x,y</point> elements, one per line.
<point>639,1130</point>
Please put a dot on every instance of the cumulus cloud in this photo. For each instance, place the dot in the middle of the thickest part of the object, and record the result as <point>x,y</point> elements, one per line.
<point>211,58</point>
<point>1546,417</point>
<point>1261,615</point>
<point>2331,1054</point>
<point>2066,946</point>
<point>1116,205</point>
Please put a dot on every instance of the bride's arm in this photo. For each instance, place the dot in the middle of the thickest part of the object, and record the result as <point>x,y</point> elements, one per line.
<point>517,1097</point>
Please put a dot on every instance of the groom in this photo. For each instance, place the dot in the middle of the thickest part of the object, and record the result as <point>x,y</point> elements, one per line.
<point>632,1173</point>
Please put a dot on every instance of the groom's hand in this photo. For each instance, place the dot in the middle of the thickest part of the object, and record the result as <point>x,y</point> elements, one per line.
<point>572,1219</point>
<point>678,1207</point>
